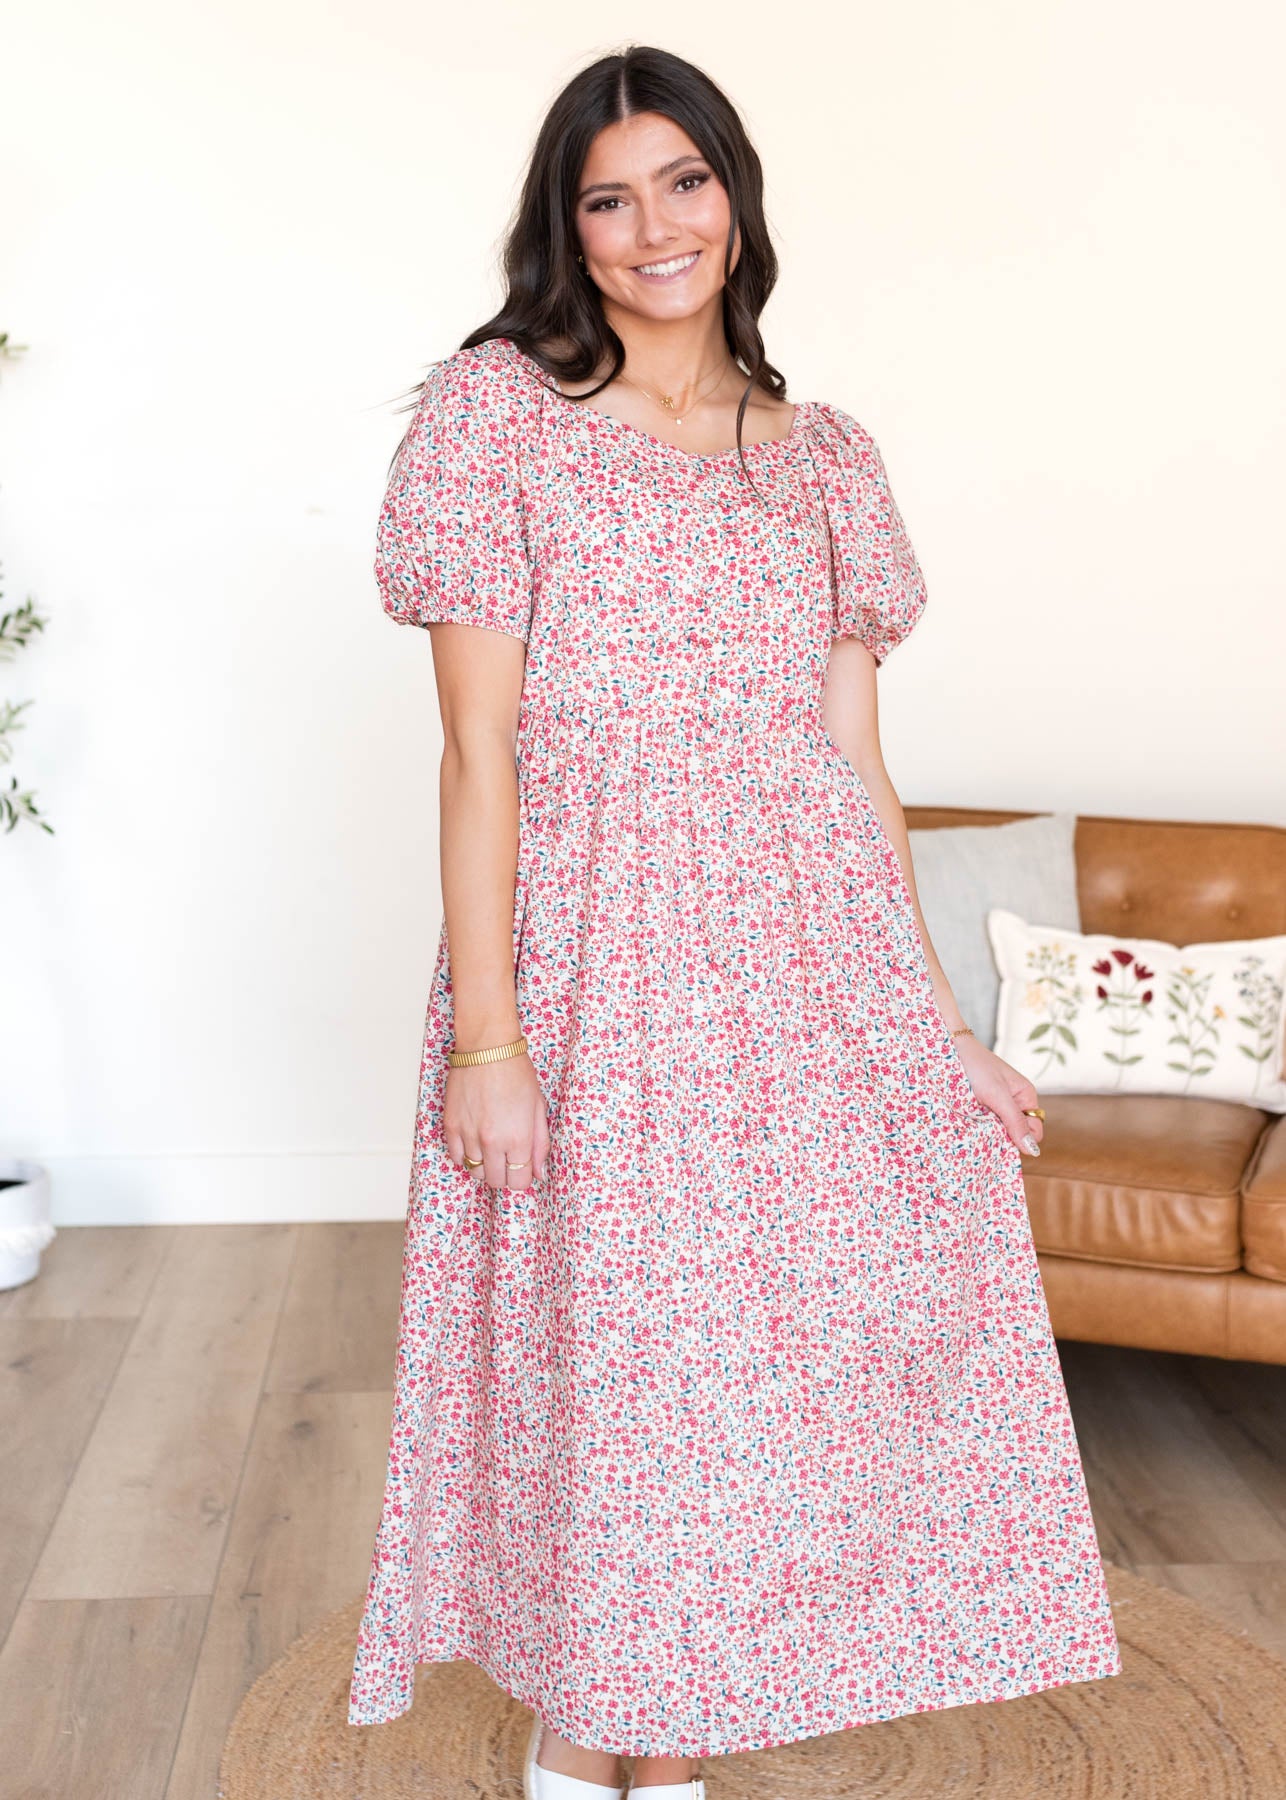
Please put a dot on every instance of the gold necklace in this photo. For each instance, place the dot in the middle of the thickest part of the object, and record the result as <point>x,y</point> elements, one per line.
<point>666,401</point>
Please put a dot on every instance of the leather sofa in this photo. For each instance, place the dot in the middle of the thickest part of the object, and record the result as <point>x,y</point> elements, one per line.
<point>1160,1221</point>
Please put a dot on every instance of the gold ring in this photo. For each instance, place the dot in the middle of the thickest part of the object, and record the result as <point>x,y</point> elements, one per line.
<point>1033,1112</point>
<point>521,1165</point>
<point>470,1164</point>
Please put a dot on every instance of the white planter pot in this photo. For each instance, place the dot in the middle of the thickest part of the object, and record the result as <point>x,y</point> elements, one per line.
<point>24,1220</point>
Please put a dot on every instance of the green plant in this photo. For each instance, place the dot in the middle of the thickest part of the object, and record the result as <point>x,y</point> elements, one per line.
<point>17,628</point>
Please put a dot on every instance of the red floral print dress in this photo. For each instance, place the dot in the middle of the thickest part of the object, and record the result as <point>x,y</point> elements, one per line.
<point>745,1422</point>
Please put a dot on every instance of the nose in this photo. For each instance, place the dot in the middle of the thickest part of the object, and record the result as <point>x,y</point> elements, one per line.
<point>656,227</point>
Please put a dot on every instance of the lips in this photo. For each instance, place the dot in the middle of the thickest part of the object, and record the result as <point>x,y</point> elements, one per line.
<point>670,268</point>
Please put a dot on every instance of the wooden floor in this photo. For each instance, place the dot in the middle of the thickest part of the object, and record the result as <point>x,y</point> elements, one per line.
<point>195,1422</point>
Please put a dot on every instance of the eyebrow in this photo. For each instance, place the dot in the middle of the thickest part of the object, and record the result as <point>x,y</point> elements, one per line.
<point>621,187</point>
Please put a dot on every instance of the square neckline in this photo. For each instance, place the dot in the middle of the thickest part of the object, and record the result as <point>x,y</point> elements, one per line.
<point>547,381</point>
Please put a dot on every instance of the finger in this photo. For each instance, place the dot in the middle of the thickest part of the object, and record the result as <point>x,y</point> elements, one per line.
<point>494,1165</point>
<point>540,1140</point>
<point>1011,1117</point>
<point>518,1167</point>
<point>1024,1131</point>
<point>1021,1130</point>
<point>1025,1097</point>
<point>454,1147</point>
<point>474,1161</point>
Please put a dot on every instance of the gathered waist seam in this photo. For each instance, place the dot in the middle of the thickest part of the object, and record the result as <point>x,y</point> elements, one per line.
<point>757,710</point>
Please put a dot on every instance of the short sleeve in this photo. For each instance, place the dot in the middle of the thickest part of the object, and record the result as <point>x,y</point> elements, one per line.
<point>451,545</point>
<point>878,591</point>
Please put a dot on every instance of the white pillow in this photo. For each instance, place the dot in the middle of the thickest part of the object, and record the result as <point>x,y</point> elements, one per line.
<point>1114,1015</point>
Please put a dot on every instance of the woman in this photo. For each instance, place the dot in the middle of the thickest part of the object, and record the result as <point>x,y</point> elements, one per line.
<point>727,1409</point>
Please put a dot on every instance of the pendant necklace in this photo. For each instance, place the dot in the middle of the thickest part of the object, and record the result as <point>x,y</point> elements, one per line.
<point>666,401</point>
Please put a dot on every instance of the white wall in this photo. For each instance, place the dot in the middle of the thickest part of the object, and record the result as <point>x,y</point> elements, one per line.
<point>1036,249</point>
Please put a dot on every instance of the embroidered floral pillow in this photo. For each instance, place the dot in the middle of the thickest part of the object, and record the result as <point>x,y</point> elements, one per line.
<point>1101,1015</point>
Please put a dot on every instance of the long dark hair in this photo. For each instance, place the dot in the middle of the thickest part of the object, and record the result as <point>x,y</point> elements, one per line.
<point>550,302</point>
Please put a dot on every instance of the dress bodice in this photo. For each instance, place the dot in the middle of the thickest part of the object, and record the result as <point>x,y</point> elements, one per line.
<point>638,574</point>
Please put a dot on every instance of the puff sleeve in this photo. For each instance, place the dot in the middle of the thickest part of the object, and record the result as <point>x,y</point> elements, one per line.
<point>450,543</point>
<point>878,591</point>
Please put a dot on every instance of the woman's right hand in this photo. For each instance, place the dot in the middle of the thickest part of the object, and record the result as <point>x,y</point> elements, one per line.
<point>496,1112</point>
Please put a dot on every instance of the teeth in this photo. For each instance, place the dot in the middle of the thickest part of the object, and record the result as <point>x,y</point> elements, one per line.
<point>668,268</point>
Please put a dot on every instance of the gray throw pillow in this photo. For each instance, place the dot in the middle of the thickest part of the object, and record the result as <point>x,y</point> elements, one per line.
<point>1028,866</point>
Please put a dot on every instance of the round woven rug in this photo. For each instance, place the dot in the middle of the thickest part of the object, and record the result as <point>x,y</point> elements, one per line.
<point>1198,1713</point>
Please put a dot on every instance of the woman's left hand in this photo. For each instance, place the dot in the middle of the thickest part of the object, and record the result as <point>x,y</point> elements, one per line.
<point>1002,1088</point>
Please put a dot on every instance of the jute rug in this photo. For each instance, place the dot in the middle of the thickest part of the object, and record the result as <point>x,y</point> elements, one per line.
<point>1197,1714</point>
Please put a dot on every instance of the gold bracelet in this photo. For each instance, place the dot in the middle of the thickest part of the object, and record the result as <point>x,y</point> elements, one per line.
<point>466,1059</point>
<point>960,1032</point>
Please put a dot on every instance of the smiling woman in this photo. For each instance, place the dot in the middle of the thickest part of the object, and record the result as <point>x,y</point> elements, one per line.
<point>727,1406</point>
<point>636,219</point>
<point>658,240</point>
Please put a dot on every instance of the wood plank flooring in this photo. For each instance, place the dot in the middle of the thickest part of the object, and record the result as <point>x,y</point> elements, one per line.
<point>195,1419</point>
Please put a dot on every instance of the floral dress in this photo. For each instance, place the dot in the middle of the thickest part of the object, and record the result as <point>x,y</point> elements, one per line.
<point>744,1422</point>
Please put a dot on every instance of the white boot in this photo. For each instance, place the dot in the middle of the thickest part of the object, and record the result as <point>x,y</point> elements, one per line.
<point>673,1790</point>
<point>548,1784</point>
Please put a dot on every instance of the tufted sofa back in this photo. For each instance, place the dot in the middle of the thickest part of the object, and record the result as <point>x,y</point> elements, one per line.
<point>1181,881</point>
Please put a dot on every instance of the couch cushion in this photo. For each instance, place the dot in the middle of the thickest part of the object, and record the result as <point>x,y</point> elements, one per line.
<point>1233,1314</point>
<point>1263,1206</point>
<point>1149,1180</point>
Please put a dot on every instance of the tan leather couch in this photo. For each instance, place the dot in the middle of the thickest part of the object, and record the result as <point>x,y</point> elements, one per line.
<point>1160,1222</point>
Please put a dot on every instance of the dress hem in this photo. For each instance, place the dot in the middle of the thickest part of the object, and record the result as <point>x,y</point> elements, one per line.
<point>566,1727</point>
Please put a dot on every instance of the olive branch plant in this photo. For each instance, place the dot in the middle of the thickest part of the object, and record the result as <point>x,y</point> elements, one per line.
<point>17,628</point>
